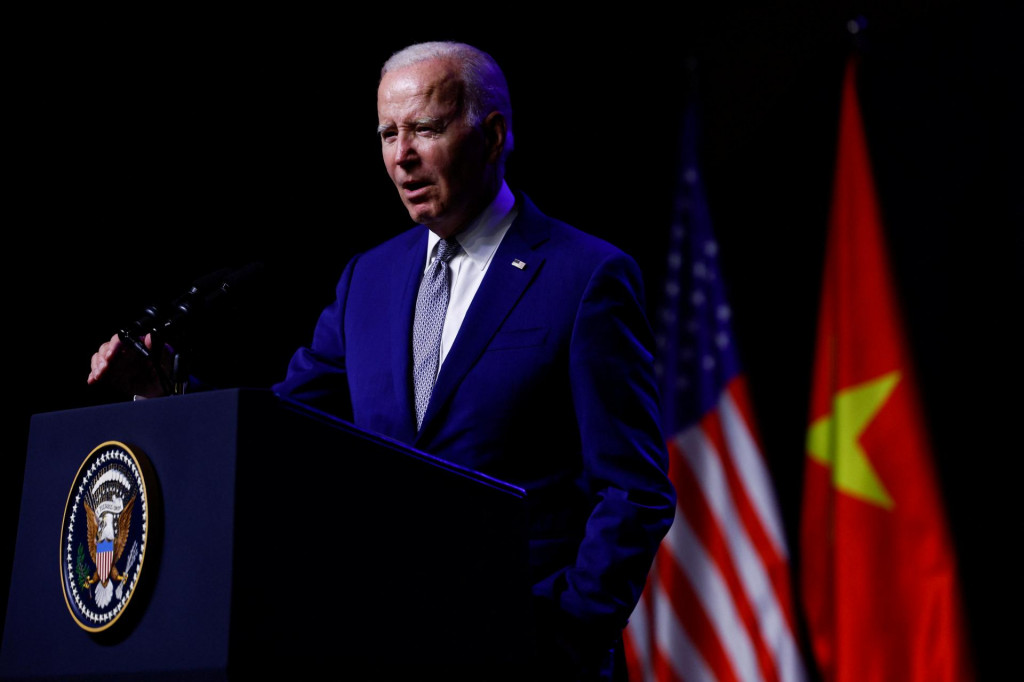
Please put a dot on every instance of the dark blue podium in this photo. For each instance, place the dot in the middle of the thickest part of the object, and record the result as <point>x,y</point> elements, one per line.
<point>284,542</point>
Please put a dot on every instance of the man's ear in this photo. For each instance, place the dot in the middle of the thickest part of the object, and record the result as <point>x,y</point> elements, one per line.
<point>494,128</point>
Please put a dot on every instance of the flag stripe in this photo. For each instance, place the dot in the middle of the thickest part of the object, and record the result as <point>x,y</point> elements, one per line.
<point>703,610</point>
<point>745,574</point>
<point>637,639</point>
<point>758,486</point>
<point>751,483</point>
<point>750,468</point>
<point>677,657</point>
<point>705,527</point>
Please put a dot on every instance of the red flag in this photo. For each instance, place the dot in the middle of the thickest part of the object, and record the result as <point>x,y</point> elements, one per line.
<point>878,570</point>
<point>718,602</point>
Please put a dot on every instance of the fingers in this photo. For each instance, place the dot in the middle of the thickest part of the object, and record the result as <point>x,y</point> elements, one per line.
<point>101,358</point>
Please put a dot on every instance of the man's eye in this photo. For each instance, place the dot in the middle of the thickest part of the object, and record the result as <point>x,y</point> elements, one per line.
<point>387,135</point>
<point>428,131</point>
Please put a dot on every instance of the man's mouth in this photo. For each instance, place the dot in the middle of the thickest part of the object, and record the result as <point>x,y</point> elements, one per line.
<point>412,188</point>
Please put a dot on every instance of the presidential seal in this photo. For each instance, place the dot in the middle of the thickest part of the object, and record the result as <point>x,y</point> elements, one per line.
<point>104,536</point>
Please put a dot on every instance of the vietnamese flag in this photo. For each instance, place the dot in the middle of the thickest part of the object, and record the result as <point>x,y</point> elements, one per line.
<point>878,571</point>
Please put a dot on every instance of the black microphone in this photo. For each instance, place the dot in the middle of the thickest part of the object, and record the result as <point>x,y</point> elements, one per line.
<point>153,317</point>
<point>205,294</point>
<point>202,299</point>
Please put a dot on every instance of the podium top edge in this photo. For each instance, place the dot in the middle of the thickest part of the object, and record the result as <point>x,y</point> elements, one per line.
<point>313,413</point>
<point>386,441</point>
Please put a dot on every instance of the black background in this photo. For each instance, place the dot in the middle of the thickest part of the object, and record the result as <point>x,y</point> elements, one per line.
<point>150,150</point>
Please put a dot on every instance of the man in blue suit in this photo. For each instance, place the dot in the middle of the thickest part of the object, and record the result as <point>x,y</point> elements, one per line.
<point>544,373</point>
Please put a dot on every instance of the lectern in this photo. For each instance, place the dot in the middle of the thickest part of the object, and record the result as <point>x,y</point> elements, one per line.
<point>279,541</point>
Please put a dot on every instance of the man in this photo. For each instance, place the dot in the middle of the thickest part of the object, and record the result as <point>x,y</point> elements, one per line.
<point>544,372</point>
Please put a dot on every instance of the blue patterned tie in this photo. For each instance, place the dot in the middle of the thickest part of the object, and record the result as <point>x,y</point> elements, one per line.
<point>431,306</point>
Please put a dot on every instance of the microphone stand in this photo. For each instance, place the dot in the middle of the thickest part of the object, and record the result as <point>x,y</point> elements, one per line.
<point>205,293</point>
<point>179,374</point>
<point>156,323</point>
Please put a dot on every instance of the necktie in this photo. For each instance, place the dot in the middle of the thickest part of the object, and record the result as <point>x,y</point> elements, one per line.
<point>431,306</point>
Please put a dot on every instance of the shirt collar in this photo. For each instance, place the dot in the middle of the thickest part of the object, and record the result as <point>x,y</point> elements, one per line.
<point>482,236</point>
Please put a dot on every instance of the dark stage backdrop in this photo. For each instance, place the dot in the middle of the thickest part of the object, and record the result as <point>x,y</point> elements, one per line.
<point>151,151</point>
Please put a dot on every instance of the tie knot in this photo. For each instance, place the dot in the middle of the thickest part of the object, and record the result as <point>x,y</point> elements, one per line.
<point>446,249</point>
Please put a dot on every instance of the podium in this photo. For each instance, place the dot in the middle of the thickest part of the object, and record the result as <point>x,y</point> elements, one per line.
<point>282,541</point>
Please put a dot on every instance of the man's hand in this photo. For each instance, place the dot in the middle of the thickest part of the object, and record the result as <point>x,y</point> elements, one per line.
<point>125,369</point>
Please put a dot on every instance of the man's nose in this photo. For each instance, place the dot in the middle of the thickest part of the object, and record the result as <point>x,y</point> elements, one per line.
<point>405,149</point>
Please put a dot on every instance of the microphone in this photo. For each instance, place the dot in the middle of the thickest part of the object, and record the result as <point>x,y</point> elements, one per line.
<point>205,294</point>
<point>202,299</point>
<point>152,316</point>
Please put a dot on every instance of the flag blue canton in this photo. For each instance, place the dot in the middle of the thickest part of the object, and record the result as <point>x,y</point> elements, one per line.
<point>696,354</point>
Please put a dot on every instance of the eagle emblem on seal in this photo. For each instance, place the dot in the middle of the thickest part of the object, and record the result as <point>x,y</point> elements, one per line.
<point>108,525</point>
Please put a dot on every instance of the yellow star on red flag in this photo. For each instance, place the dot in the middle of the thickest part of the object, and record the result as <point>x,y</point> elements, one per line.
<point>834,439</point>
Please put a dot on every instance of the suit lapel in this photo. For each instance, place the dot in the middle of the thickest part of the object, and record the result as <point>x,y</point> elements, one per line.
<point>407,270</point>
<point>499,291</point>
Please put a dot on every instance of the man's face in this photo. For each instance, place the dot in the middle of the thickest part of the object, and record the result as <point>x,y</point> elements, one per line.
<point>439,164</point>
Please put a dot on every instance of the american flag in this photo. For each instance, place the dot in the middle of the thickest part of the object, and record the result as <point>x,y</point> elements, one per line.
<point>718,603</point>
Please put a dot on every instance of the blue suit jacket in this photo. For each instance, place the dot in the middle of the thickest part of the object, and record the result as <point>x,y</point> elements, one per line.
<point>549,386</point>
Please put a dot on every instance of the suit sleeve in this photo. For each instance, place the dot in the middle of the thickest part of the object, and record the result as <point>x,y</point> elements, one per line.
<point>625,457</point>
<point>316,373</point>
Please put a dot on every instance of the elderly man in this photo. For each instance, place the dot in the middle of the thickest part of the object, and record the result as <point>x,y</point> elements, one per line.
<point>503,340</point>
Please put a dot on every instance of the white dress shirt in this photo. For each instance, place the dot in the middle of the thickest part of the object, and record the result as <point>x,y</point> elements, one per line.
<point>479,241</point>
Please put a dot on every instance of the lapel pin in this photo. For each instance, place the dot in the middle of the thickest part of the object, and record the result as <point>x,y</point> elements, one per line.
<point>519,264</point>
